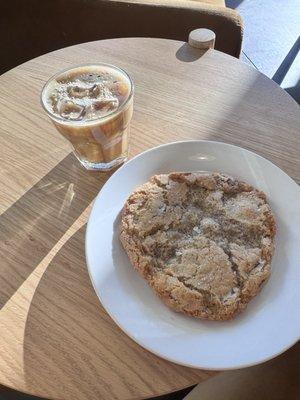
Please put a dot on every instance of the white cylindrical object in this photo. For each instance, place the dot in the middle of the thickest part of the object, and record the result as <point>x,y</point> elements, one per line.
<point>202,38</point>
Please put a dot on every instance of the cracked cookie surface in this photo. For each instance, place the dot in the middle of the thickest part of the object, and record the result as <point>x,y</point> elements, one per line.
<point>203,241</point>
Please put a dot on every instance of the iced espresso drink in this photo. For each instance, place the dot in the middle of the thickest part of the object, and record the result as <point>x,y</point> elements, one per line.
<point>91,106</point>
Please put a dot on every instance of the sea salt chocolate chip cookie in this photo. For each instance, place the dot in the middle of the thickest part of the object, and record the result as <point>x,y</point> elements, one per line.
<point>203,241</point>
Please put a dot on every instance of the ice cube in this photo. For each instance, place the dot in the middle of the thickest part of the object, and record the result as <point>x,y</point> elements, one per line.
<point>69,110</point>
<point>102,107</point>
<point>78,92</point>
<point>96,90</point>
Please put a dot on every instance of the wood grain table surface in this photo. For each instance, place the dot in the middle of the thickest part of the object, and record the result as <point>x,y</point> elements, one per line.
<point>56,340</point>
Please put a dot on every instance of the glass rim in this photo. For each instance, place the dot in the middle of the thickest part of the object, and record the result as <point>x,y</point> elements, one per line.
<point>93,121</point>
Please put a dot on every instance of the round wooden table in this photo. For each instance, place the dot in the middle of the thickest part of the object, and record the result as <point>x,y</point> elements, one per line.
<point>56,339</point>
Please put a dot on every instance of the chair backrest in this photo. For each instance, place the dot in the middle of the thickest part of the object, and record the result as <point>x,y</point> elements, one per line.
<point>33,27</point>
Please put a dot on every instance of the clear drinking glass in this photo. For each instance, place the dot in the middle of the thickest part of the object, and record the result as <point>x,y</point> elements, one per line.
<point>91,106</point>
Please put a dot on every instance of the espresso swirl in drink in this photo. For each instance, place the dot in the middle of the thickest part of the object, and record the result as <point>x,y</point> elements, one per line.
<point>92,107</point>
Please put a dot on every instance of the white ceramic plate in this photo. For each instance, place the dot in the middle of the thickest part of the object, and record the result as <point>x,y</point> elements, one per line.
<point>271,322</point>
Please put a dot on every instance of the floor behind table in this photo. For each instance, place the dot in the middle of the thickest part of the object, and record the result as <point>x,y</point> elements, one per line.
<point>271,39</point>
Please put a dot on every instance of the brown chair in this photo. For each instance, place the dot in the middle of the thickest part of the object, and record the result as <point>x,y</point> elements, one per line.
<point>33,27</point>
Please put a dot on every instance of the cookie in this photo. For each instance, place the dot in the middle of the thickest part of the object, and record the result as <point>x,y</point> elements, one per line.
<point>203,241</point>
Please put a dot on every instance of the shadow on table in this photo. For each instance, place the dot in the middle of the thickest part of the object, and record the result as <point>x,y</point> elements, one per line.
<point>188,53</point>
<point>64,302</point>
<point>71,346</point>
<point>35,222</point>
